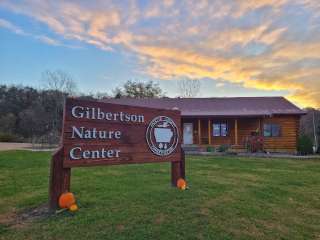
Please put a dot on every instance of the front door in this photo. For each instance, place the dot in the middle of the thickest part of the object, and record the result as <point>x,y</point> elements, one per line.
<point>187,133</point>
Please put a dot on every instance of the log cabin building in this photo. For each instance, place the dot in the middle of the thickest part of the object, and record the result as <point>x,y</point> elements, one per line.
<point>231,121</point>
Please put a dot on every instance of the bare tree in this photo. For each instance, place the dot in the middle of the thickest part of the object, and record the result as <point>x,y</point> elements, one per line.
<point>189,87</point>
<point>59,85</point>
<point>59,81</point>
<point>309,124</point>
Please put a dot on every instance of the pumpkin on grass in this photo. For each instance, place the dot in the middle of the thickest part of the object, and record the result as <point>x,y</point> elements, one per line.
<point>73,208</point>
<point>66,200</point>
<point>181,184</point>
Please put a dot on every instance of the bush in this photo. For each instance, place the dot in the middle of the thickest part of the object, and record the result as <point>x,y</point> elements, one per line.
<point>6,137</point>
<point>210,149</point>
<point>223,148</point>
<point>305,145</point>
<point>254,144</point>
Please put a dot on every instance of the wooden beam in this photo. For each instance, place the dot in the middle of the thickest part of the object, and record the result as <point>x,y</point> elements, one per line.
<point>59,179</point>
<point>178,169</point>
<point>209,131</point>
<point>236,131</point>
<point>199,131</point>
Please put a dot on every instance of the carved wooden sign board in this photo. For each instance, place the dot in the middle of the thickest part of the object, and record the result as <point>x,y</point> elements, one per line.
<point>98,133</point>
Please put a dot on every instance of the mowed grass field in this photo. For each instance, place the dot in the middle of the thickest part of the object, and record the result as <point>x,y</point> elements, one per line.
<point>228,198</point>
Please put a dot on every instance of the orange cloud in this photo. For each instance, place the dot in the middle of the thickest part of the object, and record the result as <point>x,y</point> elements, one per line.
<point>256,44</point>
<point>262,34</point>
<point>262,73</point>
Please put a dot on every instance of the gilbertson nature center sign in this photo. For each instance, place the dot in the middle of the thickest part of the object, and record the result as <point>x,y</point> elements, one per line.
<point>97,133</point>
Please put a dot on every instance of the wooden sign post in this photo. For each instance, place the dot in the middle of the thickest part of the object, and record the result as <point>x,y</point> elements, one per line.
<point>97,133</point>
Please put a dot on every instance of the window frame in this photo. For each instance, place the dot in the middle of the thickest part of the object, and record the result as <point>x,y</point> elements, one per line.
<point>272,129</point>
<point>220,124</point>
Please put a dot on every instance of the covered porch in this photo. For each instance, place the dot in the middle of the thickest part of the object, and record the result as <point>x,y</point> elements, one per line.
<point>217,131</point>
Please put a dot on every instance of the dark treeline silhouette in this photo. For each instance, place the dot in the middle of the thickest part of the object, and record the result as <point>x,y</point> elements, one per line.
<point>35,115</point>
<point>30,114</point>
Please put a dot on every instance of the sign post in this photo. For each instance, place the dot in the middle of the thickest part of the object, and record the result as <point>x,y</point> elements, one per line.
<point>97,133</point>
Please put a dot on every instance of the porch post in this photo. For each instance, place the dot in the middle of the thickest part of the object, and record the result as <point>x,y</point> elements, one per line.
<point>209,131</point>
<point>236,131</point>
<point>260,127</point>
<point>199,131</point>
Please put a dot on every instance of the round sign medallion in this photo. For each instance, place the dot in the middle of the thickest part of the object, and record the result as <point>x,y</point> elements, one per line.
<point>162,136</point>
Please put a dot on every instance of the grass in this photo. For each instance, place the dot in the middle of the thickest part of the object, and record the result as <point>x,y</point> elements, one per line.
<point>229,198</point>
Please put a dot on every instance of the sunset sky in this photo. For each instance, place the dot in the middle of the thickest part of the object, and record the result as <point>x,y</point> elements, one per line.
<point>236,48</point>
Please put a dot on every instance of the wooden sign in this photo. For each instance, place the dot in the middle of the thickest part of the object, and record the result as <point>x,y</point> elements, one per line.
<point>98,133</point>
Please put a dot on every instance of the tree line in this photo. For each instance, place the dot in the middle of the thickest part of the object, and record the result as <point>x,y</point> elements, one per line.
<point>35,115</point>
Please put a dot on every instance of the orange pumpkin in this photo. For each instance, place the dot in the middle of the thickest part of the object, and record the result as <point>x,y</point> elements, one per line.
<point>73,208</point>
<point>181,184</point>
<point>66,200</point>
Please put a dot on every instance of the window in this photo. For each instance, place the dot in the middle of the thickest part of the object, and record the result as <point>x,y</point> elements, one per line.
<point>216,130</point>
<point>271,130</point>
<point>220,129</point>
<point>267,130</point>
<point>223,129</point>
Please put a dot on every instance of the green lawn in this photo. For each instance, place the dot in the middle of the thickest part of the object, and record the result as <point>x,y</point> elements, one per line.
<point>229,198</point>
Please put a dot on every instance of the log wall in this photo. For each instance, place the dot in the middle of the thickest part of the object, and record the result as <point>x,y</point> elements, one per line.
<point>245,127</point>
<point>287,141</point>
<point>227,140</point>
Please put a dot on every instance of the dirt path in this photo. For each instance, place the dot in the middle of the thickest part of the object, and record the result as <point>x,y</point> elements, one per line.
<point>4,146</point>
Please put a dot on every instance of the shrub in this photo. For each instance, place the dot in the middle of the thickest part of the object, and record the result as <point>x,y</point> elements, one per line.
<point>305,145</point>
<point>254,143</point>
<point>223,148</point>
<point>7,137</point>
<point>210,149</point>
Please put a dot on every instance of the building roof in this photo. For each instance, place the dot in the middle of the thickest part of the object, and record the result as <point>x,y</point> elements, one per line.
<point>228,106</point>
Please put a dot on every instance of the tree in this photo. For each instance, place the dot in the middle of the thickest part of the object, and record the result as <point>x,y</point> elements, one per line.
<point>58,85</point>
<point>59,81</point>
<point>305,145</point>
<point>189,87</point>
<point>34,121</point>
<point>138,90</point>
<point>7,123</point>
<point>13,100</point>
<point>309,124</point>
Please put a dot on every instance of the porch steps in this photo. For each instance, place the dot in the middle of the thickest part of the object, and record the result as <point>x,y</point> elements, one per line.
<point>194,148</point>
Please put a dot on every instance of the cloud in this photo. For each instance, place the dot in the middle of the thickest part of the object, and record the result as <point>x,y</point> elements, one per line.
<point>245,6</point>
<point>266,44</point>
<point>17,30</point>
<point>264,34</point>
<point>220,85</point>
<point>48,40</point>
<point>154,11</point>
<point>8,25</point>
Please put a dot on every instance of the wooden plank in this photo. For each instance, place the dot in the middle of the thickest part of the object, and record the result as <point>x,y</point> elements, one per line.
<point>209,131</point>
<point>59,181</point>
<point>98,155</point>
<point>236,131</point>
<point>95,129</point>
<point>260,127</point>
<point>287,141</point>
<point>178,170</point>
<point>111,113</point>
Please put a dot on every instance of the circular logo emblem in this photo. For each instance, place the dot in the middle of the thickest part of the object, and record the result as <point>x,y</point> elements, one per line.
<point>162,136</point>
